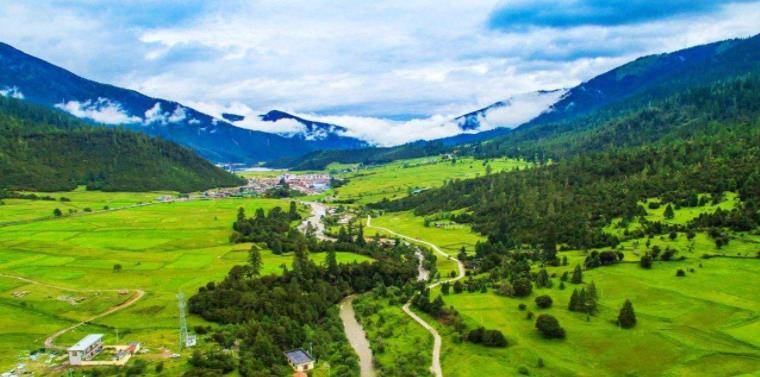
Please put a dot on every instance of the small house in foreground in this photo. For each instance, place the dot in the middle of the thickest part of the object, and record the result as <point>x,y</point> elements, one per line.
<point>299,360</point>
<point>85,349</point>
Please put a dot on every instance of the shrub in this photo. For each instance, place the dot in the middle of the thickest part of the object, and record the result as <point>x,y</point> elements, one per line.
<point>522,287</point>
<point>646,262</point>
<point>522,369</point>
<point>544,301</point>
<point>522,307</point>
<point>549,327</point>
<point>680,273</point>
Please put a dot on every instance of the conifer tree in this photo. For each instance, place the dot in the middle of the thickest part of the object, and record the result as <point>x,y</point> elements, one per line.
<point>577,275</point>
<point>627,317</point>
<point>254,258</point>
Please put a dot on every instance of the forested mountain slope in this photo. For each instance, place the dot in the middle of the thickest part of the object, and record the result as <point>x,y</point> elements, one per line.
<point>571,125</point>
<point>47,150</point>
<point>706,140</point>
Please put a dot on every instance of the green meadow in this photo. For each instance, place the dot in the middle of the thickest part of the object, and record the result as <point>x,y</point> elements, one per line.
<point>449,239</point>
<point>162,249</point>
<point>400,178</point>
<point>705,323</point>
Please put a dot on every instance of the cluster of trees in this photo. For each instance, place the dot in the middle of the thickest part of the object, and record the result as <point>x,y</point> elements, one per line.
<point>272,228</point>
<point>266,315</point>
<point>584,300</point>
<point>48,150</point>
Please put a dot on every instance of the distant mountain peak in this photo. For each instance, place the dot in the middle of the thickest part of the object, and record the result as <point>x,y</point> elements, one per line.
<point>510,112</point>
<point>26,77</point>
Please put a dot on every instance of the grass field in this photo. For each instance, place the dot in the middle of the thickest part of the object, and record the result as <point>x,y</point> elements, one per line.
<point>399,345</point>
<point>703,324</point>
<point>706,323</point>
<point>163,249</point>
<point>21,210</point>
<point>399,178</point>
<point>450,240</point>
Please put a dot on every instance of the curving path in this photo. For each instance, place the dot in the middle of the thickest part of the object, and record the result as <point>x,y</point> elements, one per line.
<point>436,364</point>
<point>139,293</point>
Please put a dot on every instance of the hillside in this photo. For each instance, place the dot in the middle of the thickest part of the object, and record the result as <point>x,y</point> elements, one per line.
<point>47,150</point>
<point>25,76</point>
<point>576,117</point>
<point>705,140</point>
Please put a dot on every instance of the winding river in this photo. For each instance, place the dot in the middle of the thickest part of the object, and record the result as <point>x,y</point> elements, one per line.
<point>356,337</point>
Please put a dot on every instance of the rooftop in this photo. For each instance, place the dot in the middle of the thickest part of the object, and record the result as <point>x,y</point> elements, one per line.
<point>86,342</point>
<point>298,356</point>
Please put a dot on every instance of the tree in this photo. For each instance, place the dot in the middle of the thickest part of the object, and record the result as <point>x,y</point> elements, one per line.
<point>669,214</point>
<point>592,298</point>
<point>117,268</point>
<point>57,212</point>
<point>543,280</point>
<point>574,301</point>
<point>549,327</point>
<point>458,287</point>
<point>543,302</point>
<point>522,287</point>
<point>646,262</point>
<point>293,211</point>
<point>445,287</point>
<point>254,258</point>
<point>360,236</point>
<point>627,317</point>
<point>577,275</point>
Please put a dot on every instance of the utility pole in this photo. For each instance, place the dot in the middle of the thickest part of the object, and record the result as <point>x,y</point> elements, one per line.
<point>182,320</point>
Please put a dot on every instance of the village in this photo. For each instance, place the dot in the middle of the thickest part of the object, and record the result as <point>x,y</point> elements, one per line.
<point>308,184</point>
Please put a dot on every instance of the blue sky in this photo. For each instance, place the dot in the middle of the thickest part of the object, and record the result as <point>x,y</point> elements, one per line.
<point>367,64</point>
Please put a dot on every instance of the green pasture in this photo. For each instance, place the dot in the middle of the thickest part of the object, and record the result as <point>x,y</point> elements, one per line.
<point>163,249</point>
<point>706,323</point>
<point>703,324</point>
<point>24,210</point>
<point>400,178</point>
<point>400,346</point>
<point>450,240</point>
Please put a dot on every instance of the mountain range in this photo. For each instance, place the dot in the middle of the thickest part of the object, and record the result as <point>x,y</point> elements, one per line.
<point>32,79</point>
<point>624,89</point>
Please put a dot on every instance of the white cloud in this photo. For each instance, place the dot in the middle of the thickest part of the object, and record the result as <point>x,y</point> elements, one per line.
<point>101,110</point>
<point>156,115</point>
<point>252,120</point>
<point>397,59</point>
<point>385,132</point>
<point>13,92</point>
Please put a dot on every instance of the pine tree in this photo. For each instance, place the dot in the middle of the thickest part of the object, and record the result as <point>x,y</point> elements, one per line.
<point>254,258</point>
<point>592,298</point>
<point>574,300</point>
<point>360,236</point>
<point>577,275</point>
<point>332,262</point>
<point>627,317</point>
<point>669,214</point>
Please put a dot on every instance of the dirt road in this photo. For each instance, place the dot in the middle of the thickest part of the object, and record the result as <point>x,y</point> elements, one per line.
<point>49,341</point>
<point>436,363</point>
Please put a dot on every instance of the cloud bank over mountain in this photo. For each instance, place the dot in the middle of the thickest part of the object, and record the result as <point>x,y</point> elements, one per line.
<point>399,66</point>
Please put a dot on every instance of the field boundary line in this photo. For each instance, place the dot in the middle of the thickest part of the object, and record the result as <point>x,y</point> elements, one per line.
<point>49,341</point>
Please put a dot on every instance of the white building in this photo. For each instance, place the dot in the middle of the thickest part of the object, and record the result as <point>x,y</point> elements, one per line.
<point>85,349</point>
<point>300,360</point>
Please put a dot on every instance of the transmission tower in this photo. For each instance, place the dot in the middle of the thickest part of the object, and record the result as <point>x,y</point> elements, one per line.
<point>182,321</point>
